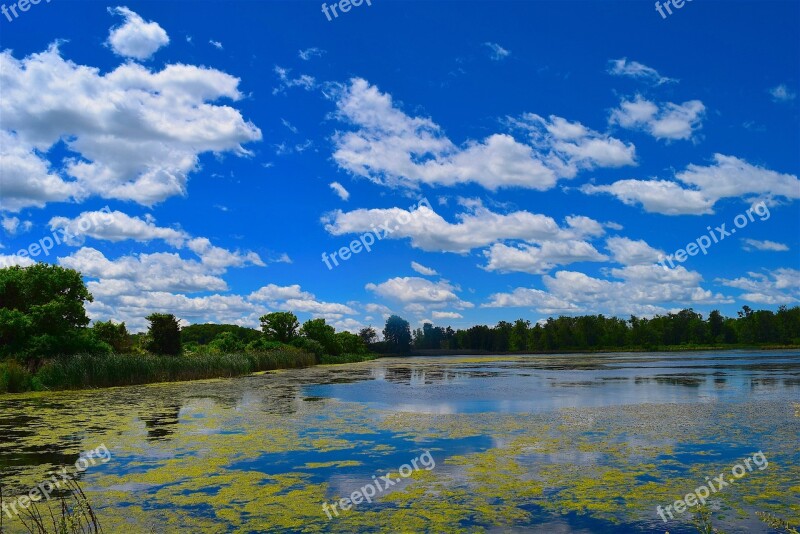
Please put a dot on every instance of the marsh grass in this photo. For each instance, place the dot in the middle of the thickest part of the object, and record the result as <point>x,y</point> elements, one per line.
<point>69,513</point>
<point>98,371</point>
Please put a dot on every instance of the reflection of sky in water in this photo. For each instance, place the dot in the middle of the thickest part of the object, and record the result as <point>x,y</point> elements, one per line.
<point>447,385</point>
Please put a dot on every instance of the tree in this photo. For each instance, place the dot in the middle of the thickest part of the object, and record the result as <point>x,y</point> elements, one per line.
<point>42,312</point>
<point>227,343</point>
<point>398,334</point>
<point>368,335</point>
<point>116,335</point>
<point>165,334</point>
<point>351,343</point>
<point>280,326</point>
<point>324,334</point>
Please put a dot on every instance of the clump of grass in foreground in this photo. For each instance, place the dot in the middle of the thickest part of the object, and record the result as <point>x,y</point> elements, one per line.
<point>327,359</point>
<point>86,371</point>
<point>72,515</point>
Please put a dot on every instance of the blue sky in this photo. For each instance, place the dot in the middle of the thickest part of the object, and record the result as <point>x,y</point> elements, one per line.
<point>203,156</point>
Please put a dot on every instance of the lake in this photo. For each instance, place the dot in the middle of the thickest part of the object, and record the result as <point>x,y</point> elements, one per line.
<point>570,443</point>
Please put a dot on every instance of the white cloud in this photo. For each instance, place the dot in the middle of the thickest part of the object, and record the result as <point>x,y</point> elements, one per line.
<point>135,38</point>
<point>476,228</point>
<point>540,259</point>
<point>496,52</point>
<point>11,260</point>
<point>781,93</point>
<point>446,315</point>
<point>397,150</point>
<point>419,294</point>
<point>285,82</point>
<point>12,225</point>
<point>634,69</point>
<point>570,146</point>
<point>781,286</point>
<point>665,121</point>
<point>755,244</point>
<point>309,53</point>
<point>339,189</point>
<point>216,44</point>
<point>421,269</point>
<point>630,252</point>
<point>27,178</point>
<point>656,196</point>
<point>640,290</point>
<point>116,226</point>
<point>133,134</point>
<point>293,298</point>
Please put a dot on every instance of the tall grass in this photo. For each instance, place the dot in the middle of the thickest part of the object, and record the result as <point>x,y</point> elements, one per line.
<point>327,359</point>
<point>98,371</point>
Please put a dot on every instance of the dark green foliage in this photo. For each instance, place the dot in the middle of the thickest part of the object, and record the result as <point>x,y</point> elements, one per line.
<point>164,334</point>
<point>310,345</point>
<point>397,334</point>
<point>115,335</point>
<point>42,312</point>
<point>203,334</point>
<point>324,334</point>
<point>226,343</point>
<point>14,378</point>
<point>125,370</point>
<point>350,343</point>
<point>596,332</point>
<point>280,326</point>
<point>368,335</point>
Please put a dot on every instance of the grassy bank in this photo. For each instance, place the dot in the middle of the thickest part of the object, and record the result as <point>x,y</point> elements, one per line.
<point>97,371</point>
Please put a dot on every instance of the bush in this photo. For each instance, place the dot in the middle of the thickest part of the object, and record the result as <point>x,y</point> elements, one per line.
<point>264,345</point>
<point>14,378</point>
<point>309,345</point>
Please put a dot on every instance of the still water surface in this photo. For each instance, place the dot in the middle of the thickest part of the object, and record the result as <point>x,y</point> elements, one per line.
<point>568,443</point>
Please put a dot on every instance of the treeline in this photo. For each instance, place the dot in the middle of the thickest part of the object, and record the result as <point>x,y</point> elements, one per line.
<point>46,341</point>
<point>686,328</point>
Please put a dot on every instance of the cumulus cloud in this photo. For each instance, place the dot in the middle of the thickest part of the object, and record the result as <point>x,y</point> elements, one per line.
<point>776,287</point>
<point>540,259</point>
<point>293,298</point>
<point>634,69</point>
<point>13,226</point>
<point>116,226</point>
<point>339,189</point>
<point>446,315</point>
<point>476,228</point>
<point>133,134</point>
<point>726,177</point>
<point>421,269</point>
<point>419,294</point>
<point>754,244</point>
<point>663,121</point>
<point>636,289</point>
<point>394,149</point>
<point>631,252</point>
<point>135,38</point>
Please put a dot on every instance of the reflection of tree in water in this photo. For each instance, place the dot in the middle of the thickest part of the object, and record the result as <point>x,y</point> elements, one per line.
<point>427,376</point>
<point>161,421</point>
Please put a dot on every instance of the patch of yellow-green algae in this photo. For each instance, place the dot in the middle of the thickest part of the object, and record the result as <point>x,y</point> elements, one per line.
<point>187,458</point>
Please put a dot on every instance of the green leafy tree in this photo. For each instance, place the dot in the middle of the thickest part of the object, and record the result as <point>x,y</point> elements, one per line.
<point>368,335</point>
<point>227,343</point>
<point>42,312</point>
<point>351,343</point>
<point>164,334</point>
<point>116,335</point>
<point>324,334</point>
<point>280,326</point>
<point>397,333</point>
